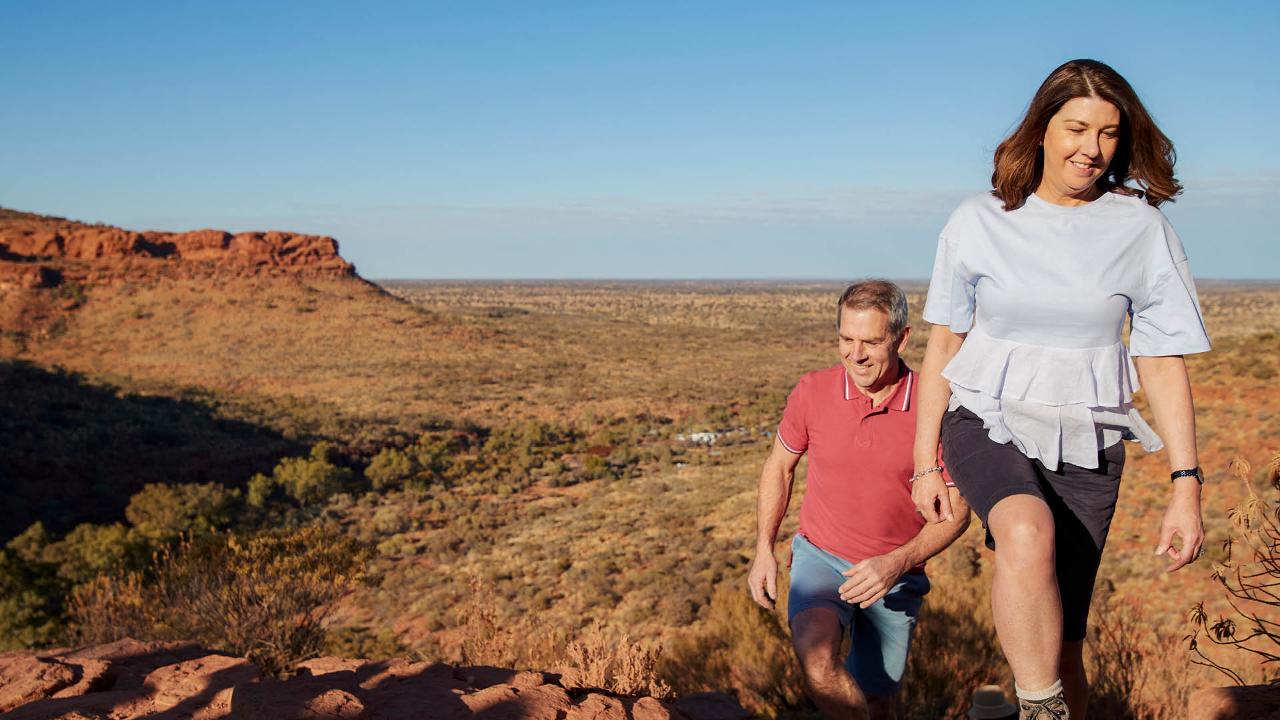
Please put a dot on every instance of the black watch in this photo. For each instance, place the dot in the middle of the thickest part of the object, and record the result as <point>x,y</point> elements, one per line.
<point>1193,472</point>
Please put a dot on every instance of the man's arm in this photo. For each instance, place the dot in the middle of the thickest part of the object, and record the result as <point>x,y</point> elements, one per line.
<point>774,494</point>
<point>871,579</point>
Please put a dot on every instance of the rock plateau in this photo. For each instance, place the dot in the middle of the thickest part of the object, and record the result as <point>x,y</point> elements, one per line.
<point>38,251</point>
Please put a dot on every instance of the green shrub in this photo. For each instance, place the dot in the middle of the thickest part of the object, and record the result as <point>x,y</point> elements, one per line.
<point>260,490</point>
<point>391,468</point>
<point>31,596</point>
<point>91,549</point>
<point>161,513</point>
<point>310,480</point>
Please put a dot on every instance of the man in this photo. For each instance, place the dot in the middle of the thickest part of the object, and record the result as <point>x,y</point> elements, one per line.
<point>857,563</point>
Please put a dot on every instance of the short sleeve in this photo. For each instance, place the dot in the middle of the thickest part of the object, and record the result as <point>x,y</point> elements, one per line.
<point>1166,319</point>
<point>951,292</point>
<point>793,431</point>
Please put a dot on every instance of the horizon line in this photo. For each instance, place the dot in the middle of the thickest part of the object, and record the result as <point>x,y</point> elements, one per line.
<point>750,279</point>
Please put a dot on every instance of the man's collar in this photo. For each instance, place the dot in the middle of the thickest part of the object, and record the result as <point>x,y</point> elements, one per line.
<point>900,401</point>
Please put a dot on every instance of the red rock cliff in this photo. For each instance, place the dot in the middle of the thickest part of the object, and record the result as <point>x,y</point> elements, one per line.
<point>38,251</point>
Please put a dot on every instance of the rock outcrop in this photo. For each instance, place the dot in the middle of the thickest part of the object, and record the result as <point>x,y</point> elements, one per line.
<point>131,679</point>
<point>39,251</point>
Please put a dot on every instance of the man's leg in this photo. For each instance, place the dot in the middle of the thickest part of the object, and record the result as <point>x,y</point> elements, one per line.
<point>883,707</point>
<point>816,634</point>
<point>881,639</point>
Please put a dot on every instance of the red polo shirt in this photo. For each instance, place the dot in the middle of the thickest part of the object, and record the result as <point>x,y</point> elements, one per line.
<point>858,498</point>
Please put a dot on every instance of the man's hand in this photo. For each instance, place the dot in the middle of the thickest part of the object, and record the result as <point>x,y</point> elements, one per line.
<point>763,580</point>
<point>1182,519</point>
<point>933,501</point>
<point>871,579</point>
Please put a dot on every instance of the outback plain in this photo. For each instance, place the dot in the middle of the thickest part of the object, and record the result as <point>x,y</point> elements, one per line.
<point>547,475</point>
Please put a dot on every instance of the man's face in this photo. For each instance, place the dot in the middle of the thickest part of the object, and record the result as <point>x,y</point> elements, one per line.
<point>868,351</point>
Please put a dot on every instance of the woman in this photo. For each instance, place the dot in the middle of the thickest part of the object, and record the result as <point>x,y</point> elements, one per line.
<point>1026,381</point>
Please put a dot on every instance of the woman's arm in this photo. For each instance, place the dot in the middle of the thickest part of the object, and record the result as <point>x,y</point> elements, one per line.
<point>929,492</point>
<point>1168,390</point>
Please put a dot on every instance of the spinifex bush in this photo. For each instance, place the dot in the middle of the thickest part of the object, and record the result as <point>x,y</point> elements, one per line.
<point>263,596</point>
<point>1129,682</point>
<point>1251,577</point>
<point>591,657</point>
<point>741,648</point>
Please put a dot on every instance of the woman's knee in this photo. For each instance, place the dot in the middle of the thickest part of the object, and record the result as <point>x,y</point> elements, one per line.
<point>1023,528</point>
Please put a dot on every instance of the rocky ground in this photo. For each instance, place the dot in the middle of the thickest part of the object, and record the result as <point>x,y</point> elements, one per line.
<point>131,679</point>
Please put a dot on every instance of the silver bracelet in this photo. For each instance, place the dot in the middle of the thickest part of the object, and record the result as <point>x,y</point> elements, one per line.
<point>921,473</point>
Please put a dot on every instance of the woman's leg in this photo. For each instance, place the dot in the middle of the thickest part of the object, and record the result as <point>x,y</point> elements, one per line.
<point>1024,593</point>
<point>1083,501</point>
<point>1074,680</point>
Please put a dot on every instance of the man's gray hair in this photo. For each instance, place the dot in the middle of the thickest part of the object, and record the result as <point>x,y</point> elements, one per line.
<point>879,294</point>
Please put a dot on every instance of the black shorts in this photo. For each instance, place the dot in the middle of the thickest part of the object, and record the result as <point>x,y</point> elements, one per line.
<point>1082,501</point>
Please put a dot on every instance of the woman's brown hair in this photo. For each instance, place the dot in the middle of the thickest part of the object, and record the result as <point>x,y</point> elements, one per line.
<point>1143,153</point>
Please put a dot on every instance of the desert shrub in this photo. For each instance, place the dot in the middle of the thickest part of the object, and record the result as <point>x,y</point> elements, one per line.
<point>309,480</point>
<point>259,490</point>
<point>592,657</point>
<point>595,467</point>
<point>390,519</point>
<point>91,549</point>
<point>390,468</point>
<point>263,596</point>
<point>30,545</point>
<point>740,647</point>
<point>433,454</point>
<point>1249,577</point>
<point>30,602</point>
<point>598,659</point>
<point>161,513</point>
<point>1125,682</point>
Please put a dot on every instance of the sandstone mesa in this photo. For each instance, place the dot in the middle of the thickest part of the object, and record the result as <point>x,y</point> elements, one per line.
<point>38,251</point>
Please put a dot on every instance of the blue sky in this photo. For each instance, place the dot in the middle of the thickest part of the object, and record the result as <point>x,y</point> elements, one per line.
<point>608,139</point>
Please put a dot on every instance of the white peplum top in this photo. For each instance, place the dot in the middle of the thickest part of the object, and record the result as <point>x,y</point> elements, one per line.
<point>1043,292</point>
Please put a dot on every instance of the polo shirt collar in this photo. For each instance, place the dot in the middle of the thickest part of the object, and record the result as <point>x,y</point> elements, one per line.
<point>900,401</point>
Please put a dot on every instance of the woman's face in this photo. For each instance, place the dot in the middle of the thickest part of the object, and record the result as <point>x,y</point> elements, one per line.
<point>1078,146</point>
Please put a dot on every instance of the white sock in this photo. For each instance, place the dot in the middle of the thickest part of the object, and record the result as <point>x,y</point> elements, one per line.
<point>1045,694</point>
<point>1047,704</point>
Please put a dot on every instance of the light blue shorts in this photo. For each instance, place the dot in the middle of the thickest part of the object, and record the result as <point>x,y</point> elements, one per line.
<point>880,635</point>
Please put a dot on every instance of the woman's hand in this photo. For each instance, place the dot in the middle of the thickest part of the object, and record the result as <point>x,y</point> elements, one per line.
<point>1182,518</point>
<point>929,493</point>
